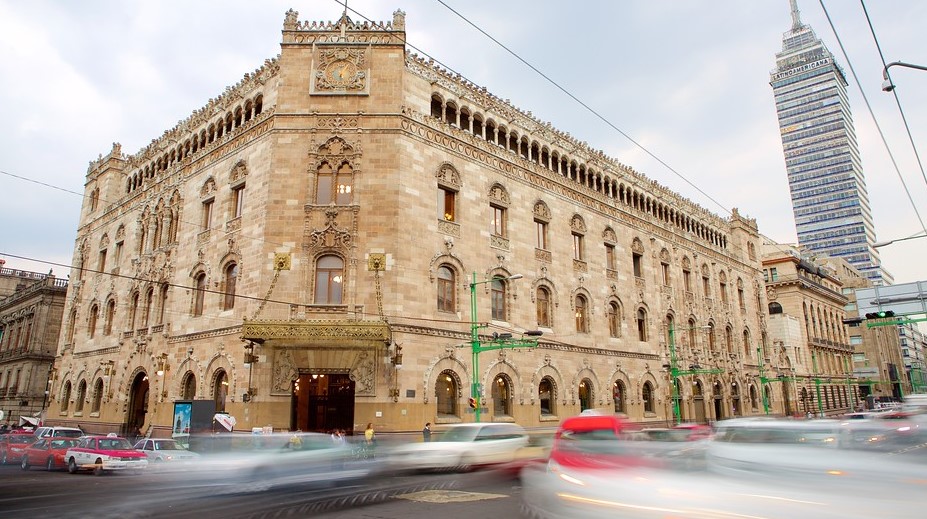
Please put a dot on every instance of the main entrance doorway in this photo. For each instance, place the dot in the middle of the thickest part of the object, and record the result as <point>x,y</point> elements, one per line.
<point>323,402</point>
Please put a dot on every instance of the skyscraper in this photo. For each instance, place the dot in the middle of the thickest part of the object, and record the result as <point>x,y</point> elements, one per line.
<point>829,197</point>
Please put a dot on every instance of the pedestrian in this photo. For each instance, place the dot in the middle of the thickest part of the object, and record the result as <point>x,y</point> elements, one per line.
<point>369,434</point>
<point>426,432</point>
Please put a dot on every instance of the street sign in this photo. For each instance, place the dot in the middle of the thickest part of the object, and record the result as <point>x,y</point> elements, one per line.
<point>903,299</point>
<point>865,372</point>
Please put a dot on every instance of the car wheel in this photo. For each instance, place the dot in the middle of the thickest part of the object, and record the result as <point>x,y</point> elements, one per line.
<point>465,464</point>
<point>72,466</point>
<point>50,464</point>
<point>24,464</point>
<point>98,469</point>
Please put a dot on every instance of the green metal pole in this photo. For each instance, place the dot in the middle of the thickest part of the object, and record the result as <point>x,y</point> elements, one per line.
<point>850,393</point>
<point>475,349</point>
<point>674,373</point>
<point>763,395</point>
<point>817,383</point>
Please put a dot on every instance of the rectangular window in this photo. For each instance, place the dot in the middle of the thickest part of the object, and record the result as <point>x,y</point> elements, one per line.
<point>636,260</point>
<point>774,274</point>
<point>497,225</point>
<point>238,200</point>
<point>541,228</point>
<point>610,256</point>
<point>446,204</point>
<point>117,255</point>
<point>765,276</point>
<point>343,194</point>
<point>666,274</point>
<point>207,214</point>
<point>578,247</point>
<point>706,286</point>
<point>101,265</point>
<point>687,280</point>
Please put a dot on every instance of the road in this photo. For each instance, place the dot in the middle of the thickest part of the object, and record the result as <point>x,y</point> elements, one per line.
<point>40,494</point>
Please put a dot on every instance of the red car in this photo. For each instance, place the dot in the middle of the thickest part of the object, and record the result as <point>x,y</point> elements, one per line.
<point>13,445</point>
<point>104,453</point>
<point>47,452</point>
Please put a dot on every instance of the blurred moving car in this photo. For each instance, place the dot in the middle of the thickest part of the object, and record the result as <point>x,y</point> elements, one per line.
<point>253,463</point>
<point>47,452</point>
<point>768,469</point>
<point>12,446</point>
<point>100,454</point>
<point>165,449</point>
<point>56,432</point>
<point>462,447</point>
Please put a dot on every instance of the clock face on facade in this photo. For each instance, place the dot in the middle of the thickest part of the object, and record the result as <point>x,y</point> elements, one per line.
<point>341,72</point>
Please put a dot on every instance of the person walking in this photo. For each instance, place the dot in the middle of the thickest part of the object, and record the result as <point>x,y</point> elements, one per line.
<point>370,439</point>
<point>426,432</point>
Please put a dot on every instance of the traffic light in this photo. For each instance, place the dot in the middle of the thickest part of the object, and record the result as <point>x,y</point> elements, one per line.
<point>473,402</point>
<point>880,314</point>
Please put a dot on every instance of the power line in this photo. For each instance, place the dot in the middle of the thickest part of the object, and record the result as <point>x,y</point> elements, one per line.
<point>872,115</point>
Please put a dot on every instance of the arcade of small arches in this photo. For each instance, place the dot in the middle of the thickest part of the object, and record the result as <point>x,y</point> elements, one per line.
<point>639,399</point>
<point>540,154</point>
<point>214,132</point>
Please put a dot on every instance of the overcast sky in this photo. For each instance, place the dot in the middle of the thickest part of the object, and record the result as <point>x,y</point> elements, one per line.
<point>686,80</point>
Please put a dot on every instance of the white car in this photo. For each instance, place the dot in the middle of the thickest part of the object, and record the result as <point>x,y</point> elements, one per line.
<point>462,447</point>
<point>101,454</point>
<point>161,450</point>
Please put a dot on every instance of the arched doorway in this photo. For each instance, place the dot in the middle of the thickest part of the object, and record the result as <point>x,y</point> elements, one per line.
<point>698,401</point>
<point>718,395</point>
<point>323,402</point>
<point>138,405</point>
<point>585,394</point>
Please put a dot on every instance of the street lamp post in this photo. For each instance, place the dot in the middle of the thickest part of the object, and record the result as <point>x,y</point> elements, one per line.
<point>499,341</point>
<point>675,373</point>
<point>887,84</point>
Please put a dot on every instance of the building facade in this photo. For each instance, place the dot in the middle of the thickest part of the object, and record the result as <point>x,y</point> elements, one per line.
<point>829,197</point>
<point>812,355</point>
<point>308,251</point>
<point>31,309</point>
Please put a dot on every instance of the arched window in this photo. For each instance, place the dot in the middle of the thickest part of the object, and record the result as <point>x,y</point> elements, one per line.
<point>92,322</point>
<point>189,387</point>
<point>108,320</point>
<point>711,337</point>
<point>501,396</point>
<point>231,279</point>
<point>163,308</point>
<point>729,339</point>
<point>199,293</point>
<point>149,302</point>
<point>446,392</point>
<point>647,397</point>
<point>97,396</point>
<point>619,396</point>
<point>81,395</point>
<point>66,396</point>
<point>220,390</point>
<point>586,399</point>
<point>614,323</point>
<point>329,280</point>
<point>133,311</point>
<point>641,324</point>
<point>775,308</point>
<point>543,307</point>
<point>547,396</point>
<point>446,284</point>
<point>498,299</point>
<point>582,323</point>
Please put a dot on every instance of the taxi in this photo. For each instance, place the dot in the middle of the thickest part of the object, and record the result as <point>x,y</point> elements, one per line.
<point>100,454</point>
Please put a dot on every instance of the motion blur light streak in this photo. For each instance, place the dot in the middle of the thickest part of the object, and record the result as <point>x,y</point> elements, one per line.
<point>691,514</point>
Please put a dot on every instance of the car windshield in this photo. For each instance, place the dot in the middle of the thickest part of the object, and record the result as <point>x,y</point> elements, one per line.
<point>22,438</point>
<point>63,444</point>
<point>459,434</point>
<point>168,445</point>
<point>113,444</point>
<point>67,434</point>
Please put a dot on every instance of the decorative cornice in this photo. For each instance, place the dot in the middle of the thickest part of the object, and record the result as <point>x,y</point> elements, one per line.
<point>340,331</point>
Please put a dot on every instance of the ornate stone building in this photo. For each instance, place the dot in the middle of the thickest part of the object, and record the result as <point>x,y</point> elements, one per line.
<point>812,355</point>
<point>31,308</point>
<point>302,251</point>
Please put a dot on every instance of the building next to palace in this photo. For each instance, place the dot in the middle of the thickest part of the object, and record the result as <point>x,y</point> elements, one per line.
<point>307,251</point>
<point>31,306</point>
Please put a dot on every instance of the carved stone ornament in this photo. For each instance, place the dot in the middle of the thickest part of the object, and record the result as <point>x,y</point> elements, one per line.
<point>363,373</point>
<point>285,371</point>
<point>341,71</point>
